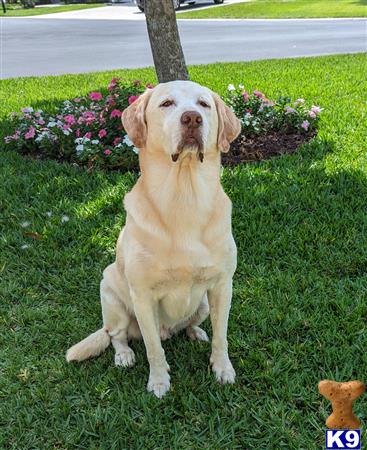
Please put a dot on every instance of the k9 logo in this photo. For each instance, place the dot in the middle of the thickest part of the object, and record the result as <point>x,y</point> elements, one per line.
<point>343,439</point>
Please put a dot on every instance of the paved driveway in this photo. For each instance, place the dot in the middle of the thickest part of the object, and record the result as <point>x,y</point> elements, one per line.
<point>36,46</point>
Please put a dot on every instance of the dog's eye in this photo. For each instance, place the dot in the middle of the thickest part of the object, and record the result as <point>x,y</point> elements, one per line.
<point>166,103</point>
<point>203,104</point>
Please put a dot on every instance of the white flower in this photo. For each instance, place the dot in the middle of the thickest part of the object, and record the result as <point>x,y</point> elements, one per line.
<point>241,86</point>
<point>79,148</point>
<point>51,124</point>
<point>66,132</point>
<point>48,213</point>
<point>299,101</point>
<point>136,150</point>
<point>127,141</point>
<point>64,219</point>
<point>95,141</point>
<point>24,246</point>
<point>25,224</point>
<point>42,135</point>
<point>78,140</point>
<point>230,87</point>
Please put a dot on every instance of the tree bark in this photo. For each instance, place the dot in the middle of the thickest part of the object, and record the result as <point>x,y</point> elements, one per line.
<point>165,42</point>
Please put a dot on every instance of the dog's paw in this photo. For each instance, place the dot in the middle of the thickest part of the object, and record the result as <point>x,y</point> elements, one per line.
<point>165,333</point>
<point>159,384</point>
<point>125,358</point>
<point>196,334</point>
<point>223,370</point>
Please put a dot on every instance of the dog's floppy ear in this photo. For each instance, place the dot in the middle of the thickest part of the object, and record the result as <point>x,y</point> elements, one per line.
<point>133,119</point>
<point>229,127</point>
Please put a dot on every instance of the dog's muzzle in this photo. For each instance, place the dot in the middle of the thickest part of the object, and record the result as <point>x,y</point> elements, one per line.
<point>191,138</point>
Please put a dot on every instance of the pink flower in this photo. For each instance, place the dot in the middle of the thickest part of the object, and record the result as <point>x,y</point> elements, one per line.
<point>40,122</point>
<point>312,114</point>
<point>77,133</point>
<point>14,137</point>
<point>69,119</point>
<point>96,96</point>
<point>102,133</point>
<point>289,110</point>
<point>245,96</point>
<point>132,99</point>
<point>248,111</point>
<point>77,100</point>
<point>116,141</point>
<point>110,100</point>
<point>107,152</point>
<point>137,83</point>
<point>112,84</point>
<point>89,117</point>
<point>88,135</point>
<point>305,124</point>
<point>149,86</point>
<point>30,133</point>
<point>115,113</point>
<point>259,94</point>
<point>268,102</point>
<point>316,109</point>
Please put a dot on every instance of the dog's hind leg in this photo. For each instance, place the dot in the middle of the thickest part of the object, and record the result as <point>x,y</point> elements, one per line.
<point>193,331</point>
<point>117,320</point>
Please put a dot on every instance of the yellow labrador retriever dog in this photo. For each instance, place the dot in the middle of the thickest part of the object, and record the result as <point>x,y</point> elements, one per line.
<point>175,256</point>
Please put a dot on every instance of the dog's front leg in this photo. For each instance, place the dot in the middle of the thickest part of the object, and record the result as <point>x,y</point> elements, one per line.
<point>146,312</point>
<point>220,303</point>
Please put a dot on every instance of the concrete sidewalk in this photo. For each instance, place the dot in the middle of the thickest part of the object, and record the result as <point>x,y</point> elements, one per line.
<point>123,11</point>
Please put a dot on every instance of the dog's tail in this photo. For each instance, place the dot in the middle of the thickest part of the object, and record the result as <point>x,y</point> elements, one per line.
<point>93,345</point>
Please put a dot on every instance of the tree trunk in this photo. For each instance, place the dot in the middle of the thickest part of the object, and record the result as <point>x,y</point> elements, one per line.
<point>165,42</point>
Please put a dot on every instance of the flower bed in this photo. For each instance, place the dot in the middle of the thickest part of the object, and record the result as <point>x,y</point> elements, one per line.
<point>88,130</point>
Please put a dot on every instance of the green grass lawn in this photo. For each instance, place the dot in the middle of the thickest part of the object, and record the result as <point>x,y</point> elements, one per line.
<point>299,309</point>
<point>19,11</point>
<point>279,9</point>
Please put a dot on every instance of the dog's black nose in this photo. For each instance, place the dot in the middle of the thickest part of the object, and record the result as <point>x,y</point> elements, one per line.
<point>191,119</point>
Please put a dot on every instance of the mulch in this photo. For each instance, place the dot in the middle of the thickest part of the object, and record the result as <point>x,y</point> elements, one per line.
<point>247,149</point>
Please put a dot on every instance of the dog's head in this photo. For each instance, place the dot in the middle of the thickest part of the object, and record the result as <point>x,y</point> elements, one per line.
<point>179,117</point>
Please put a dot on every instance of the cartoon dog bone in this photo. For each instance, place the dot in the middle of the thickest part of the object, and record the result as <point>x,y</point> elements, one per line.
<point>342,396</point>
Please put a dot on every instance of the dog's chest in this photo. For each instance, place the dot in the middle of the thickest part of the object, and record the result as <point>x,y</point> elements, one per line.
<point>181,285</point>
